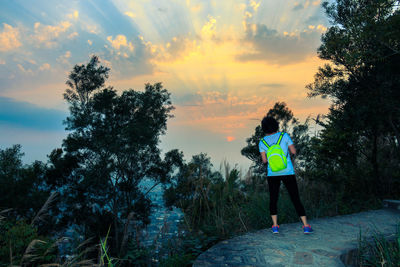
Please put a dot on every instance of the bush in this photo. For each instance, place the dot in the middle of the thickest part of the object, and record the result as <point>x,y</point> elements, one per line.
<point>21,244</point>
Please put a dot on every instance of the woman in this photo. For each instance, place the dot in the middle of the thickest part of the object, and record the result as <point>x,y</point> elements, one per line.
<point>286,175</point>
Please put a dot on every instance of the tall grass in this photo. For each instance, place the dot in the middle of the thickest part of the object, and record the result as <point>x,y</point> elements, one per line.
<point>22,246</point>
<point>380,250</point>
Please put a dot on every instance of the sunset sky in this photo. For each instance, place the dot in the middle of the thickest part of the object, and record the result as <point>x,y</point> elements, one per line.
<point>224,62</point>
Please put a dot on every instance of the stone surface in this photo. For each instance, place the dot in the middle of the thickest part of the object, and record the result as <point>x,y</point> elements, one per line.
<point>392,204</point>
<point>333,237</point>
<point>303,258</point>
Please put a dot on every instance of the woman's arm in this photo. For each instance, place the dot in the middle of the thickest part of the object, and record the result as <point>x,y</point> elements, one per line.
<point>264,157</point>
<point>292,150</point>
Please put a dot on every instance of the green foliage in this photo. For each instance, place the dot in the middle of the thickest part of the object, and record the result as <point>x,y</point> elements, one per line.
<point>255,210</point>
<point>21,244</point>
<point>380,251</point>
<point>177,260</point>
<point>184,248</point>
<point>206,198</point>
<point>137,255</point>
<point>23,188</point>
<point>84,80</point>
<point>212,204</point>
<point>359,145</point>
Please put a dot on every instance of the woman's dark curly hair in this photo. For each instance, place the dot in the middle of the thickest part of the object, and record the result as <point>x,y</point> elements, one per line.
<point>269,125</point>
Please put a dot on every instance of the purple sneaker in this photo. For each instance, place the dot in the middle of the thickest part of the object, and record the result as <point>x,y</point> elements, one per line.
<point>275,229</point>
<point>307,229</point>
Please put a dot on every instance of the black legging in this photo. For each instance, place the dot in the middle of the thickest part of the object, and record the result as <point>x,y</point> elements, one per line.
<point>274,182</point>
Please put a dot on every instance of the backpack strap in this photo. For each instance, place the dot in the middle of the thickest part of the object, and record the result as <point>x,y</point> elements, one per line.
<point>280,138</point>
<point>265,143</point>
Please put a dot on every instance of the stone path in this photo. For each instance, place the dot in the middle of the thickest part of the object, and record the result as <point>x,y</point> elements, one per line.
<point>331,241</point>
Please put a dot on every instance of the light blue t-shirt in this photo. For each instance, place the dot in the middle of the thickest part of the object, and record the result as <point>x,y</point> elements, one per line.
<point>285,143</point>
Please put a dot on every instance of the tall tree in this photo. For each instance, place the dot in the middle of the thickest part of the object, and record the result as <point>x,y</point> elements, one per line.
<point>112,146</point>
<point>363,81</point>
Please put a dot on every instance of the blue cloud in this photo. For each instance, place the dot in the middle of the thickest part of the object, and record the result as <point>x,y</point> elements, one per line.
<point>317,18</point>
<point>298,7</point>
<point>275,48</point>
<point>30,116</point>
<point>188,99</point>
<point>272,85</point>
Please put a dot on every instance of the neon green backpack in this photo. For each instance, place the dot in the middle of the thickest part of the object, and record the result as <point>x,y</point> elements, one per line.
<point>276,157</point>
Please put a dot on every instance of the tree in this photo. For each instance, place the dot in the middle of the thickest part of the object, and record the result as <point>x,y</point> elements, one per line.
<point>192,177</point>
<point>112,146</point>
<point>363,81</point>
<point>22,188</point>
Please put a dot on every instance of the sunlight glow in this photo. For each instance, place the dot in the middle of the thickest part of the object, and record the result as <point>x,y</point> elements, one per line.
<point>224,63</point>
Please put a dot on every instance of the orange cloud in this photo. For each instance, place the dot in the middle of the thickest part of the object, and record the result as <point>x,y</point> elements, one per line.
<point>254,5</point>
<point>48,34</point>
<point>73,35</point>
<point>208,31</point>
<point>73,15</point>
<point>45,66</point>
<point>316,3</point>
<point>120,41</point>
<point>9,38</point>
<point>130,14</point>
<point>64,58</point>
<point>196,8</point>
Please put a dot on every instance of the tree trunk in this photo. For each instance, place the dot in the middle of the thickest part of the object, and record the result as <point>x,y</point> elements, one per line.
<point>395,130</point>
<point>375,167</point>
